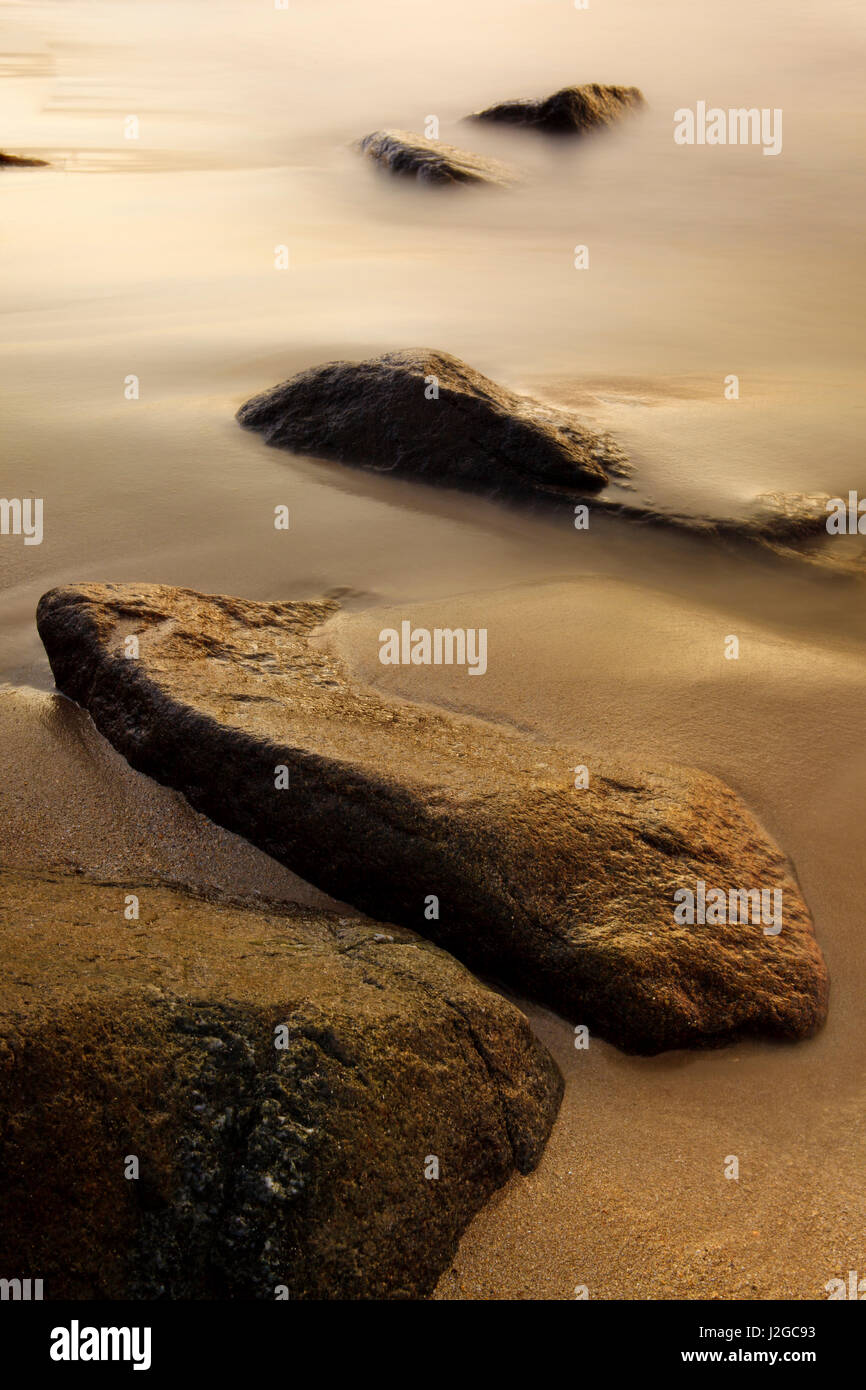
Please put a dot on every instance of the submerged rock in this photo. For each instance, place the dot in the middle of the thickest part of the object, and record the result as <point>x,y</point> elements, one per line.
<point>431,161</point>
<point>428,415</point>
<point>571,111</point>
<point>19,161</point>
<point>297,1160</point>
<point>567,893</point>
<point>780,521</point>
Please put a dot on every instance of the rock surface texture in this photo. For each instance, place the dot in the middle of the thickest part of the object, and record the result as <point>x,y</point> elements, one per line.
<point>430,161</point>
<point>428,415</point>
<point>571,111</point>
<point>18,161</point>
<point>424,414</point>
<point>566,893</point>
<point>302,1167</point>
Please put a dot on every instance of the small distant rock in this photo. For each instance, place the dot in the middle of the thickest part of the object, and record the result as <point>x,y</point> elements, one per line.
<point>571,111</point>
<point>428,415</point>
<point>431,161</point>
<point>19,161</point>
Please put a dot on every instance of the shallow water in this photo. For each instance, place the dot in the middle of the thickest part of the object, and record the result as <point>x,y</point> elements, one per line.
<point>155,257</point>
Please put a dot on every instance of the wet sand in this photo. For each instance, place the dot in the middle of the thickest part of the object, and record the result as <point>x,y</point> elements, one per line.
<point>69,801</point>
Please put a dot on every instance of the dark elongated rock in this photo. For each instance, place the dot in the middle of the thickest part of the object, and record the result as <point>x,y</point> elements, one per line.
<point>429,415</point>
<point>571,111</point>
<point>567,893</point>
<point>780,521</point>
<point>298,1167</point>
<point>19,161</point>
<point>431,161</point>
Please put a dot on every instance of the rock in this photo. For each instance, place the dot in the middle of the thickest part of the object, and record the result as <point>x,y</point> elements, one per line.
<point>258,1167</point>
<point>377,414</point>
<point>431,161</point>
<point>485,438</point>
<point>780,521</point>
<point>18,161</point>
<point>571,111</point>
<point>567,894</point>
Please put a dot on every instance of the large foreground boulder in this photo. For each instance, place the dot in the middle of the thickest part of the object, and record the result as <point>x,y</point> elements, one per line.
<point>472,835</point>
<point>213,1101</point>
<point>428,415</point>
<point>430,161</point>
<point>571,111</point>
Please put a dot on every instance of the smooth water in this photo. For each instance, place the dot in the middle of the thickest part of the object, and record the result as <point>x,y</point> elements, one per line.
<point>154,257</point>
